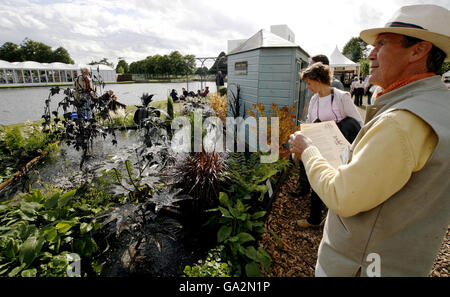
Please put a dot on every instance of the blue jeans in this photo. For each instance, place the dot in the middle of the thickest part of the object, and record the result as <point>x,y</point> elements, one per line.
<point>86,111</point>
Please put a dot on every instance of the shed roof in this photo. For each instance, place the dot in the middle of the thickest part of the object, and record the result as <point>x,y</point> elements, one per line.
<point>262,39</point>
<point>337,59</point>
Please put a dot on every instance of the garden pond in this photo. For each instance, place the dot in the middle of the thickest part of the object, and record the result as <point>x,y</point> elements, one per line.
<point>18,105</point>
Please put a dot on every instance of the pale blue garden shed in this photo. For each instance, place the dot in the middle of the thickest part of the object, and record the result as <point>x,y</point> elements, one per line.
<point>266,67</point>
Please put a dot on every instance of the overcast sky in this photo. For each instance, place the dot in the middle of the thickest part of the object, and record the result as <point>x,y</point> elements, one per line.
<point>135,29</point>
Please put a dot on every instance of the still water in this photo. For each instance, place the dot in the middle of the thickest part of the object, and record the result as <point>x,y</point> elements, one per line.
<point>18,105</point>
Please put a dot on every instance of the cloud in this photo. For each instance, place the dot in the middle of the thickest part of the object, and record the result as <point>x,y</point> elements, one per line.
<point>135,29</point>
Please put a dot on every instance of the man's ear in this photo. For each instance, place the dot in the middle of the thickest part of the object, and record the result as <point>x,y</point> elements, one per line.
<point>420,50</point>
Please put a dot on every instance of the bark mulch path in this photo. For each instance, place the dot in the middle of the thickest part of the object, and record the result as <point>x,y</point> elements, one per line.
<point>294,250</point>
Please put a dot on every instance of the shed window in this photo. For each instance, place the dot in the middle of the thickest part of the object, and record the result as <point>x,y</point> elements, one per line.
<point>240,68</point>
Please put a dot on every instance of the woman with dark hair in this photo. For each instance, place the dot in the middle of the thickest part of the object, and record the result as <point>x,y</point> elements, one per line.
<point>174,95</point>
<point>327,104</point>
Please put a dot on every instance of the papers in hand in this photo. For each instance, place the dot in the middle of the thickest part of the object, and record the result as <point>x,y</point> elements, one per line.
<point>327,137</point>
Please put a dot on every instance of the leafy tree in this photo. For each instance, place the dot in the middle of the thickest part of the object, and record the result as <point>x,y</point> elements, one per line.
<point>176,63</point>
<point>189,64</point>
<point>149,65</point>
<point>156,63</point>
<point>137,67</point>
<point>355,49</point>
<point>219,64</point>
<point>445,67</point>
<point>124,65</point>
<point>159,66</point>
<point>30,50</point>
<point>165,65</point>
<point>201,70</point>
<point>10,52</point>
<point>62,55</point>
<point>36,51</point>
<point>365,66</point>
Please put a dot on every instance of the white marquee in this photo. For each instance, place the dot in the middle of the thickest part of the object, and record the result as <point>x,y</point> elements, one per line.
<point>34,73</point>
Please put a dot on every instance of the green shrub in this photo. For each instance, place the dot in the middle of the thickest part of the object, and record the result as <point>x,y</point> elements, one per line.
<point>213,266</point>
<point>170,108</point>
<point>39,231</point>
<point>240,218</point>
<point>30,143</point>
<point>240,226</point>
<point>223,91</point>
<point>14,141</point>
<point>19,147</point>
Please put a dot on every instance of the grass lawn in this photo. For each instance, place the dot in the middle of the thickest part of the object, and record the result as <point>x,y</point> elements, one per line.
<point>177,106</point>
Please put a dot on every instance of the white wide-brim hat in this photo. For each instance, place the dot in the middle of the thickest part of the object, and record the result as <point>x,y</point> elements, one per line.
<point>427,22</point>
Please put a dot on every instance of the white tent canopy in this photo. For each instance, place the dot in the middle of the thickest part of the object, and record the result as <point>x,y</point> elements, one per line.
<point>30,72</point>
<point>337,59</point>
<point>339,62</point>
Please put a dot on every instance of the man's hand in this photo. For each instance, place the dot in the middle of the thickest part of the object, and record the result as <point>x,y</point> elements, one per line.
<point>298,143</point>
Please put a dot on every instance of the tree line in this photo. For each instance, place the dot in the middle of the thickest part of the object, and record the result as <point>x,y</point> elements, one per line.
<point>30,50</point>
<point>174,64</point>
<point>162,65</point>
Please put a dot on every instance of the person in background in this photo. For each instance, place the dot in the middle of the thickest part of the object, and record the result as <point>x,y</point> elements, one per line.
<point>357,88</point>
<point>303,187</point>
<point>205,93</point>
<point>115,105</point>
<point>368,89</point>
<point>327,104</point>
<point>192,94</point>
<point>107,96</point>
<point>84,94</point>
<point>174,95</point>
<point>184,95</point>
<point>335,83</point>
<point>219,80</point>
<point>389,205</point>
<point>110,100</point>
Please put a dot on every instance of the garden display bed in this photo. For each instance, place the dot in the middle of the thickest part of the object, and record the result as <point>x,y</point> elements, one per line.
<point>135,206</point>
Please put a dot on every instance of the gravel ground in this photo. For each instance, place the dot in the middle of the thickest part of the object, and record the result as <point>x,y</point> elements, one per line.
<point>294,250</point>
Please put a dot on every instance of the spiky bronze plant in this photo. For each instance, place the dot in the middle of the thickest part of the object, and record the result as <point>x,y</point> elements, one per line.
<point>201,175</point>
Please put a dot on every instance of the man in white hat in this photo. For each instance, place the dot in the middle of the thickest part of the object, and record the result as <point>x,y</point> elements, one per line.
<point>389,206</point>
